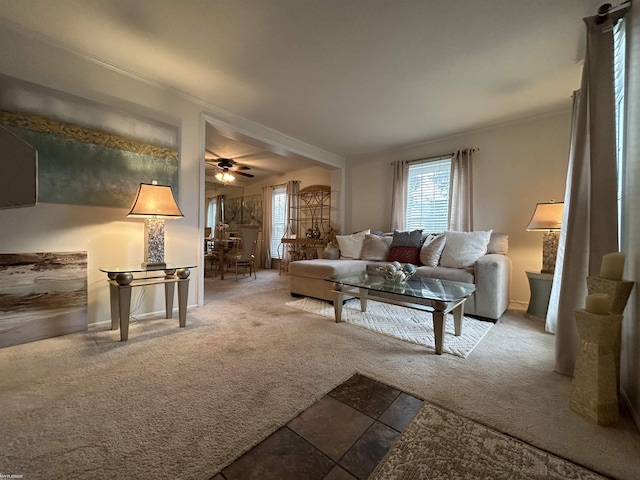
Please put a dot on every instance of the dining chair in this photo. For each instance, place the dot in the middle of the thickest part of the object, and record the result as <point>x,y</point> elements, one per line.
<point>211,254</point>
<point>245,255</point>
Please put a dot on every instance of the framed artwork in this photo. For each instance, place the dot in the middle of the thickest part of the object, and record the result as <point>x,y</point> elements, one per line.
<point>88,153</point>
<point>42,295</point>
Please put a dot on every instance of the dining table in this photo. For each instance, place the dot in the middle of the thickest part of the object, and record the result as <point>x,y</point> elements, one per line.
<point>222,246</point>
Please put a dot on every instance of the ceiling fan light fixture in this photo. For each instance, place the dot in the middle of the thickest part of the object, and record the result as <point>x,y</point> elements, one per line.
<point>224,177</point>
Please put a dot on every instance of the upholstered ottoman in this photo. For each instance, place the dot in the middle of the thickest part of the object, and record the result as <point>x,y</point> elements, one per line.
<point>308,276</point>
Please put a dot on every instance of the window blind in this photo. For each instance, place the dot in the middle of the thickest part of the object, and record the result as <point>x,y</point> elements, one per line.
<point>619,69</point>
<point>278,218</point>
<point>428,195</point>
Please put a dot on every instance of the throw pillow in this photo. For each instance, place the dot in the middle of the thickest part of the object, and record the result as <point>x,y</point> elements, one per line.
<point>499,243</point>
<point>404,255</point>
<point>432,250</point>
<point>331,252</point>
<point>351,245</point>
<point>407,239</point>
<point>463,249</point>
<point>376,248</point>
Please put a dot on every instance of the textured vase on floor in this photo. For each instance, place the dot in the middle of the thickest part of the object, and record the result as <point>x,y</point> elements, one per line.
<point>594,390</point>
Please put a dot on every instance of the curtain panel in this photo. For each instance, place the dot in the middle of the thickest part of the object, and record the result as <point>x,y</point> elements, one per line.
<point>399,195</point>
<point>590,227</point>
<point>461,191</point>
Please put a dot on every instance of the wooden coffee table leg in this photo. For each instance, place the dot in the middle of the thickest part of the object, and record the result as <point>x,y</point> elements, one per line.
<point>337,306</point>
<point>458,314</point>
<point>438,330</point>
<point>363,299</point>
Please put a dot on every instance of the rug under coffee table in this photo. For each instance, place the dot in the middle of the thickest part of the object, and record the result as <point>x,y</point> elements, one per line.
<point>428,294</point>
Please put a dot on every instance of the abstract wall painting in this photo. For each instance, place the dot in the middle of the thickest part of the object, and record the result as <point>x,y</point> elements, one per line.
<point>88,153</point>
<point>252,210</point>
<point>42,295</point>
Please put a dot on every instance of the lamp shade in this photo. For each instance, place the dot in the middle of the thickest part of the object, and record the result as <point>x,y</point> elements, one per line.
<point>154,200</point>
<point>547,216</point>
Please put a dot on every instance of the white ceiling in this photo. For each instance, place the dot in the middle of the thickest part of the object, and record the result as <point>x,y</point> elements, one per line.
<point>347,76</point>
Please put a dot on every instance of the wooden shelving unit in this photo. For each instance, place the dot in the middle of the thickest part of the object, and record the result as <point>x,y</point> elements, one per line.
<point>310,214</point>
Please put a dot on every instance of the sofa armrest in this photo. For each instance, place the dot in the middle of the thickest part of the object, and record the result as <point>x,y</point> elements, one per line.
<point>493,285</point>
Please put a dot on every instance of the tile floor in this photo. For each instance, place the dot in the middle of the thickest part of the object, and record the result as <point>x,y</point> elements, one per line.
<point>341,437</point>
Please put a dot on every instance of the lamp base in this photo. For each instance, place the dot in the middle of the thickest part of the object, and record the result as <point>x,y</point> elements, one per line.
<point>154,244</point>
<point>549,251</point>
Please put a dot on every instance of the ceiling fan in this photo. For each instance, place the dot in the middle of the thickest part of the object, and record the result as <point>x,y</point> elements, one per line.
<point>227,167</point>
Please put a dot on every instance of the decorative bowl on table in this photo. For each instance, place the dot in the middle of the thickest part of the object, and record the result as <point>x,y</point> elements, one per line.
<point>396,272</point>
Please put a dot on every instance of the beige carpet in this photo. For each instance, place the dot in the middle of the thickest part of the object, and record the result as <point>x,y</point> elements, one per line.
<point>403,323</point>
<point>439,444</point>
<point>182,403</point>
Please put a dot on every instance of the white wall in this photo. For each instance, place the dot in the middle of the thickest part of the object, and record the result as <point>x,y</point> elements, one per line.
<point>518,165</point>
<point>306,176</point>
<point>105,233</point>
<point>630,373</point>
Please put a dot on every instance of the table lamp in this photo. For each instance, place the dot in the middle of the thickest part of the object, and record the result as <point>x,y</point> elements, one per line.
<point>154,203</point>
<point>547,217</point>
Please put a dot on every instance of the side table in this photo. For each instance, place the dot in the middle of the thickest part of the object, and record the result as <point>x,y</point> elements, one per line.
<point>122,280</point>
<point>540,286</point>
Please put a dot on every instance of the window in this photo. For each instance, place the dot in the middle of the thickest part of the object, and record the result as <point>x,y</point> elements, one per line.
<point>619,68</point>
<point>278,217</point>
<point>211,213</point>
<point>428,195</point>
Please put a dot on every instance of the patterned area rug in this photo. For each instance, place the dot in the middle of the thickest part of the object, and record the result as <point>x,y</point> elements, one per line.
<point>440,444</point>
<point>403,323</point>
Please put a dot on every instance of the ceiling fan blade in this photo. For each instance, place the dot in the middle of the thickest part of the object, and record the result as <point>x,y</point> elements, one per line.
<point>241,167</point>
<point>212,153</point>
<point>244,174</point>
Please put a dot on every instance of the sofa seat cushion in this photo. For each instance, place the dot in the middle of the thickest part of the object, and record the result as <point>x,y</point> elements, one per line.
<point>445,273</point>
<point>322,268</point>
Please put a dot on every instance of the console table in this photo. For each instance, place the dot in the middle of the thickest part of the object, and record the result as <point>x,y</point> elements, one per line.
<point>122,280</point>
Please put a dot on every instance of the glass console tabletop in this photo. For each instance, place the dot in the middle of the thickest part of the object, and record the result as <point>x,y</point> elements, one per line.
<point>140,269</point>
<point>419,288</point>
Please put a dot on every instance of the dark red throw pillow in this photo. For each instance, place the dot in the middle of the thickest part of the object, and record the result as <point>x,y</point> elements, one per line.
<point>404,255</point>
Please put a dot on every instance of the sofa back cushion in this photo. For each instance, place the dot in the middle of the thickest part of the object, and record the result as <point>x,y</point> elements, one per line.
<point>376,248</point>
<point>463,249</point>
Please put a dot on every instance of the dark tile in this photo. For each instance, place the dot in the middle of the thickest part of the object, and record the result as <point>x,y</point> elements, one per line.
<point>365,455</point>
<point>367,395</point>
<point>217,477</point>
<point>282,455</point>
<point>401,411</point>
<point>339,473</point>
<point>331,426</point>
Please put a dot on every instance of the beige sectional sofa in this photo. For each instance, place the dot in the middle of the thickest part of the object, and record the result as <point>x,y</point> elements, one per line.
<point>488,267</point>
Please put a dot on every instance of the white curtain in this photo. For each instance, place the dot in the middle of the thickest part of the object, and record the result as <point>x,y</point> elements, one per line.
<point>399,195</point>
<point>461,191</point>
<point>292,189</point>
<point>267,199</point>
<point>589,228</point>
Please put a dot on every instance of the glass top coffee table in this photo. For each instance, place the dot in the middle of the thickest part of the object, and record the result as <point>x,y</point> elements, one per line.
<point>429,294</point>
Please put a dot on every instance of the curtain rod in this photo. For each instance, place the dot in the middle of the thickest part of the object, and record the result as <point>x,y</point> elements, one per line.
<point>606,9</point>
<point>436,157</point>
